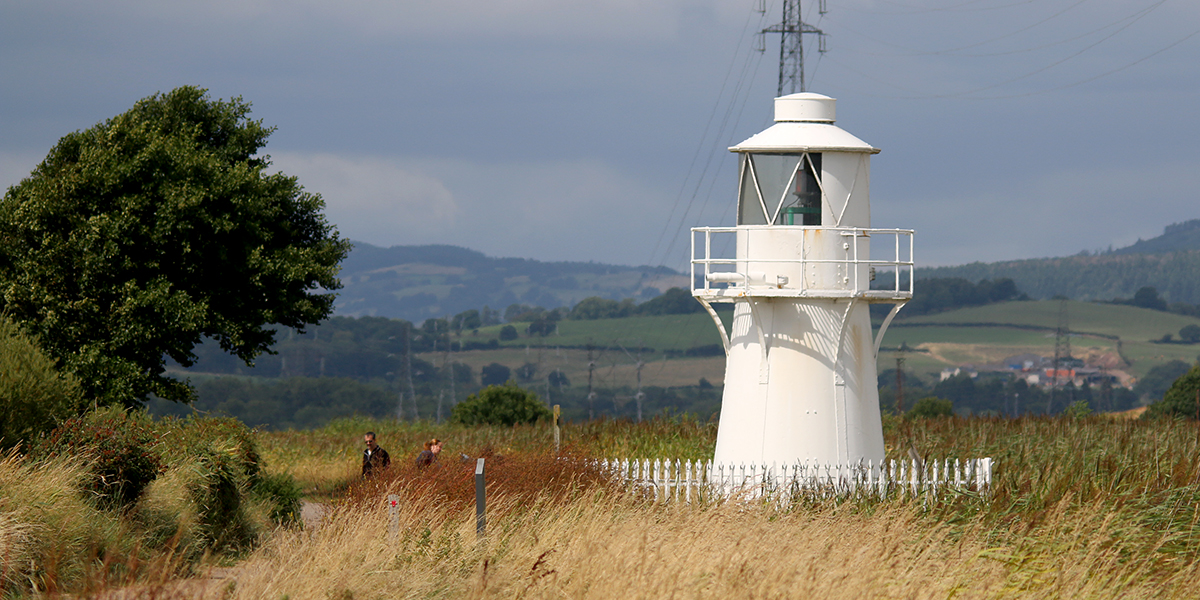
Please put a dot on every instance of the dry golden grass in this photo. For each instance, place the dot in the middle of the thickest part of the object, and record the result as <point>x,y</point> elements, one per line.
<point>609,546</point>
<point>1081,508</point>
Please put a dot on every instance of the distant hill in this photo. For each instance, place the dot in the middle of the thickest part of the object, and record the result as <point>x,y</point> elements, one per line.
<point>1170,263</point>
<point>1175,237</point>
<point>418,282</point>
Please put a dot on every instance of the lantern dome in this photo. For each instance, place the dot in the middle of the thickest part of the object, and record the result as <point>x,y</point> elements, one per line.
<point>804,123</point>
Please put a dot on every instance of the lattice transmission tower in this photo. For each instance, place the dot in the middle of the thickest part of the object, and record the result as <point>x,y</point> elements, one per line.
<point>1062,354</point>
<point>791,32</point>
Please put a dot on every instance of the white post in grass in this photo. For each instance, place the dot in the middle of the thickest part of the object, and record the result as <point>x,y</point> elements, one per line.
<point>393,516</point>
<point>480,500</point>
<point>800,379</point>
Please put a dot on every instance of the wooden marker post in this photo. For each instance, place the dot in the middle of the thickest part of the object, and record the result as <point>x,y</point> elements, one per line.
<point>480,501</point>
<point>394,512</point>
<point>557,432</point>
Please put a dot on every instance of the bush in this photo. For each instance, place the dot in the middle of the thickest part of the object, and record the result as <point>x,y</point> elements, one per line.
<point>282,494</point>
<point>675,301</point>
<point>500,405</point>
<point>50,534</point>
<point>595,307</point>
<point>1182,399</point>
<point>1190,334</point>
<point>494,374</point>
<point>1158,380</point>
<point>931,407</point>
<point>224,481</point>
<point>508,333</point>
<point>34,396</point>
<point>120,447</point>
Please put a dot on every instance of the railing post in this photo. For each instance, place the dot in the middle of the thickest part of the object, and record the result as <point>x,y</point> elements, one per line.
<point>480,501</point>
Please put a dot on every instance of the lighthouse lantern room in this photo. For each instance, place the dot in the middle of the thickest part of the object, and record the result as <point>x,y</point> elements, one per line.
<point>800,374</point>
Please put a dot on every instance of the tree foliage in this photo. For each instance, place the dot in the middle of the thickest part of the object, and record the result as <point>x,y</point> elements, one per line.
<point>1182,399</point>
<point>500,405</point>
<point>1159,379</point>
<point>494,374</point>
<point>140,236</point>
<point>675,301</point>
<point>1174,275</point>
<point>1190,333</point>
<point>931,407</point>
<point>938,294</point>
<point>34,396</point>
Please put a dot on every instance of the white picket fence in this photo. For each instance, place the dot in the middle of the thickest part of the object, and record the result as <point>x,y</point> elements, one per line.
<point>688,481</point>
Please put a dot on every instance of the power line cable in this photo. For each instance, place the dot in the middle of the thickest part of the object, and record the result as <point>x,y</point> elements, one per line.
<point>1061,61</point>
<point>956,8</point>
<point>703,137</point>
<point>908,51</point>
<point>712,153</point>
<point>912,94</point>
<point>1106,73</point>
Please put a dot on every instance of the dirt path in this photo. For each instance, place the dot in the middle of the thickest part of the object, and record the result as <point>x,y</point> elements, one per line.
<point>312,513</point>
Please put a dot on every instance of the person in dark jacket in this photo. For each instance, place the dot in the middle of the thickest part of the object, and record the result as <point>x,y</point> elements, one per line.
<point>429,455</point>
<point>375,459</point>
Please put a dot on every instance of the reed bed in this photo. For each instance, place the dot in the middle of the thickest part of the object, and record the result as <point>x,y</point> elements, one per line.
<point>324,460</point>
<point>605,545</point>
<point>1080,508</point>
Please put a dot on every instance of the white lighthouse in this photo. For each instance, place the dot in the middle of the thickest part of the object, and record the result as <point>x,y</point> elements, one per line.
<point>800,374</point>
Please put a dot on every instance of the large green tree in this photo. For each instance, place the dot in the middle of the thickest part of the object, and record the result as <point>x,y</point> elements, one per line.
<point>1182,399</point>
<point>136,238</point>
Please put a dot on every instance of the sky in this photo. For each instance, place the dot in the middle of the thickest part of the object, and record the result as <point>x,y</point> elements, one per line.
<point>598,131</point>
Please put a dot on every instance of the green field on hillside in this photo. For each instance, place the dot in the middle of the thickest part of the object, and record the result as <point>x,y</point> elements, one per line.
<point>978,335</point>
<point>1127,322</point>
<point>665,332</point>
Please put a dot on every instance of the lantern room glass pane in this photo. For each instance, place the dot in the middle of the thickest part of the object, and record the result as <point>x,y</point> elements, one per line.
<point>802,203</point>
<point>750,210</point>
<point>786,184</point>
<point>774,179</point>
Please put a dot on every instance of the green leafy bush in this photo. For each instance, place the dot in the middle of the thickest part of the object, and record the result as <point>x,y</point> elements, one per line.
<point>224,483</point>
<point>505,404</point>
<point>282,494</point>
<point>120,447</point>
<point>200,436</point>
<point>34,396</point>
<point>508,333</point>
<point>931,407</point>
<point>1182,398</point>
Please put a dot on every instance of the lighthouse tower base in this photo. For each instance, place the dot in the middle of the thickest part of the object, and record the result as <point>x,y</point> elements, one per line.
<point>800,384</point>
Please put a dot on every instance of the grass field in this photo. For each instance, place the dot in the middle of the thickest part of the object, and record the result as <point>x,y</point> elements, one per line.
<point>1081,508</point>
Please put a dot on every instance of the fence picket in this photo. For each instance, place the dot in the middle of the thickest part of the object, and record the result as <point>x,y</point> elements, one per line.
<point>689,481</point>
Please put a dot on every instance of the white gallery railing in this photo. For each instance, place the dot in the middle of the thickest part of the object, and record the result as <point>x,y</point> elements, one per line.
<point>688,481</point>
<point>715,266</point>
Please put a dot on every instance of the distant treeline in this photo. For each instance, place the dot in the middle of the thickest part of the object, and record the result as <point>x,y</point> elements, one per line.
<point>307,402</point>
<point>1001,395</point>
<point>940,294</point>
<point>1176,275</point>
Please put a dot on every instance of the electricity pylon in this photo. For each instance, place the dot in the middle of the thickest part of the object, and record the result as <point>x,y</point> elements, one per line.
<point>791,32</point>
